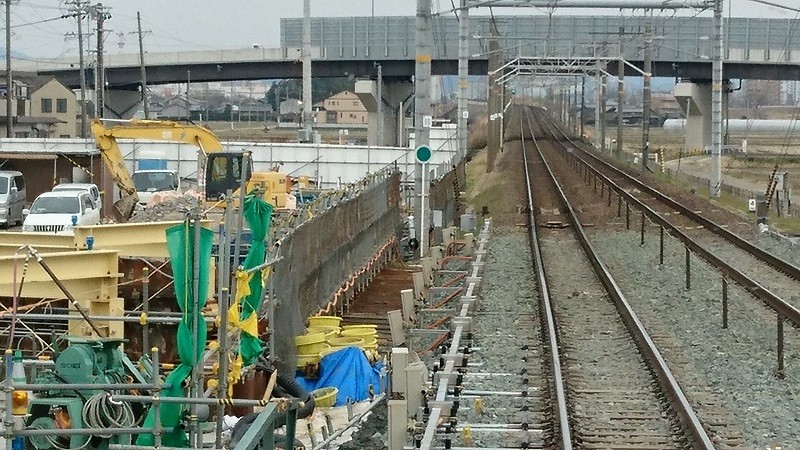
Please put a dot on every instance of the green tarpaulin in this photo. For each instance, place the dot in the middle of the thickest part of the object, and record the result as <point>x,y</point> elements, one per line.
<point>258,214</point>
<point>180,245</point>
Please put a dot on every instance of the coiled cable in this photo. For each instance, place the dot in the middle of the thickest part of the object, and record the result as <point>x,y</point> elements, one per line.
<point>101,412</point>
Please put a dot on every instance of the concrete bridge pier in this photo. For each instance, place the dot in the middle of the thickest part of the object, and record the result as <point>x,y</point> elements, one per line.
<point>695,100</point>
<point>121,104</point>
<point>395,93</point>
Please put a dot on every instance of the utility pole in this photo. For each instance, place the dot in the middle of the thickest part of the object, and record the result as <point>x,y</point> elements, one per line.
<point>307,97</point>
<point>646,96</point>
<point>379,130</point>
<point>82,64</point>
<point>188,107</point>
<point>9,78</point>
<point>583,102</point>
<point>620,93</point>
<point>715,180</point>
<point>422,113</point>
<point>145,103</point>
<point>603,86</point>
<point>101,15</point>
<point>463,79</point>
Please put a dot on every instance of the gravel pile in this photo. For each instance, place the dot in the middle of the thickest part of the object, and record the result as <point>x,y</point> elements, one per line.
<point>737,363</point>
<point>371,433</point>
<point>168,209</point>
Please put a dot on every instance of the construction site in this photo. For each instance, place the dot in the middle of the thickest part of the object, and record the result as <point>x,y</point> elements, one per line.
<point>500,274</point>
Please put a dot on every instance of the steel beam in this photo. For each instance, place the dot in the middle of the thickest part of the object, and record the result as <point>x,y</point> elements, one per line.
<point>90,277</point>
<point>11,249</point>
<point>142,240</point>
<point>36,239</point>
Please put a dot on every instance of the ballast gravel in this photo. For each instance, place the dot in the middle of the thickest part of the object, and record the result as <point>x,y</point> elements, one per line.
<point>739,362</point>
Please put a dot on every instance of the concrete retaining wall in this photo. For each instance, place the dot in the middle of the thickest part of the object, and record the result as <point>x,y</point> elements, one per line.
<point>320,254</point>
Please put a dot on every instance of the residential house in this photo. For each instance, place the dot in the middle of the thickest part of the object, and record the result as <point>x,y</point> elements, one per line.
<point>27,118</point>
<point>344,108</point>
<point>51,99</point>
<point>174,108</point>
<point>258,110</point>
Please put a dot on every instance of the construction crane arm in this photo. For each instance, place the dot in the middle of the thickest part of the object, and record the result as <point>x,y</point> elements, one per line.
<point>106,140</point>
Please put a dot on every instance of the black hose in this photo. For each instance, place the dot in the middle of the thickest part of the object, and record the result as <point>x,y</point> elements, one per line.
<point>291,387</point>
<point>286,387</point>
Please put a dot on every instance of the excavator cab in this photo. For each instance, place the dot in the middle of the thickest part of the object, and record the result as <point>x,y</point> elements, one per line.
<point>223,172</point>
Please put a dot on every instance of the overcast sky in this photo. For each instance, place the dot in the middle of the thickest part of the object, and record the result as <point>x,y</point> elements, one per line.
<point>215,24</point>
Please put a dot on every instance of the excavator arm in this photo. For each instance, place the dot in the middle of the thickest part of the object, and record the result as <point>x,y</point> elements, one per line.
<point>106,140</point>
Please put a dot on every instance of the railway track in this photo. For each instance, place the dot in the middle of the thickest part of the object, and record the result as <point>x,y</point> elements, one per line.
<point>610,386</point>
<point>765,276</point>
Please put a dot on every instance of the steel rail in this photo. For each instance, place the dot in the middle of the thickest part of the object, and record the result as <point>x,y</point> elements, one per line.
<point>675,395</point>
<point>561,409</point>
<point>760,292</point>
<point>777,263</point>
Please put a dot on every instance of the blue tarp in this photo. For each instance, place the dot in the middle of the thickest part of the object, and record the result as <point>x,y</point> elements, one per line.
<point>349,371</point>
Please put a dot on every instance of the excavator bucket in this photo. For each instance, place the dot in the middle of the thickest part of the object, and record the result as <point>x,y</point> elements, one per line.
<point>125,206</point>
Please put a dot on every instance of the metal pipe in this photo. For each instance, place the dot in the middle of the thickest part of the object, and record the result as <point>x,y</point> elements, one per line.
<point>64,290</point>
<point>145,299</point>
<point>223,305</point>
<point>81,431</point>
<point>189,400</point>
<point>237,249</point>
<point>8,424</point>
<point>262,266</point>
<point>127,319</point>
<point>156,405</point>
<point>141,447</point>
<point>86,386</point>
<point>195,436</point>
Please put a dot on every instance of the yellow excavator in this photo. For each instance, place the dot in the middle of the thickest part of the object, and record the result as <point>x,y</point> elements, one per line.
<point>218,170</point>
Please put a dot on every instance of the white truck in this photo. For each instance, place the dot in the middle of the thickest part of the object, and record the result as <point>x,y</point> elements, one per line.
<point>150,182</point>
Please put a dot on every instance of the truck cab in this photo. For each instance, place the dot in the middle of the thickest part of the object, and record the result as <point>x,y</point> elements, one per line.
<point>155,181</point>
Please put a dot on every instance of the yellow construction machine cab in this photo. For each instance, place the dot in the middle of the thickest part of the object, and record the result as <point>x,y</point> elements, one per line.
<point>223,172</point>
<point>276,187</point>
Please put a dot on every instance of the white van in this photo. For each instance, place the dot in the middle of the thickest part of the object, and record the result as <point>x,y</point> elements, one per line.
<point>12,197</point>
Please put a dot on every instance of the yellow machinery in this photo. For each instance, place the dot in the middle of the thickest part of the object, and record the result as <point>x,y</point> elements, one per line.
<point>218,170</point>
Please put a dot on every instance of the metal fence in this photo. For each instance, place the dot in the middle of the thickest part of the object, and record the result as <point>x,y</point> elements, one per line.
<point>676,38</point>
